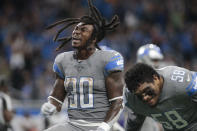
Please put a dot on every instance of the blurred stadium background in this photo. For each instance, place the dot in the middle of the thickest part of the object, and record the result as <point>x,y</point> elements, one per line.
<point>27,50</point>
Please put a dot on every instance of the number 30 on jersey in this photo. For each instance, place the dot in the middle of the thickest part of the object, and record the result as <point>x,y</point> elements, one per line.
<point>80,92</point>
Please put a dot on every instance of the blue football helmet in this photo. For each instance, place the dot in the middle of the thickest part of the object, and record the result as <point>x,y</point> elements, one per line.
<point>150,54</point>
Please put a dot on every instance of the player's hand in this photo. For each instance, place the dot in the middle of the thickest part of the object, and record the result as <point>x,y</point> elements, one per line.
<point>48,109</point>
<point>103,127</point>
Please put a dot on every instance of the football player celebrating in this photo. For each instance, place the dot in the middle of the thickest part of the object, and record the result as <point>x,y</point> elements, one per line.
<point>90,78</point>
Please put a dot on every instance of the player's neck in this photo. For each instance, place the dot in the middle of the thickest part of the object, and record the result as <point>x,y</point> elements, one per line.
<point>161,83</point>
<point>161,88</point>
<point>84,53</point>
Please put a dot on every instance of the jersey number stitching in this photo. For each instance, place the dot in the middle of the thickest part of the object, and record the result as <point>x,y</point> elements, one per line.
<point>173,117</point>
<point>178,75</point>
<point>81,92</point>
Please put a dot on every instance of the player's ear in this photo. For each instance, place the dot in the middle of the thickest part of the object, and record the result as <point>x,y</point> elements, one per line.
<point>94,40</point>
<point>155,77</point>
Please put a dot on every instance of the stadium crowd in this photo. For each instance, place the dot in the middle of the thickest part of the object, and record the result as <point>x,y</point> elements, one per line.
<point>27,49</point>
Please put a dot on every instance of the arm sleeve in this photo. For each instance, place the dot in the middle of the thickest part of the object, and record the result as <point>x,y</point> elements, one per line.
<point>57,66</point>
<point>114,62</point>
<point>6,101</point>
<point>134,121</point>
<point>192,86</point>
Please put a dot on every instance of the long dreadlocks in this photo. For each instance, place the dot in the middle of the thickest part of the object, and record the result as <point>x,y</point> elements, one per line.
<point>101,26</point>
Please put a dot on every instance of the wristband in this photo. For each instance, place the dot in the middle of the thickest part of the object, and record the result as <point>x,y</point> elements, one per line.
<point>51,97</point>
<point>115,98</point>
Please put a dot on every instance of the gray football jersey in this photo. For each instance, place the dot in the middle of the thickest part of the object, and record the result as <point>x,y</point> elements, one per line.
<point>84,82</point>
<point>176,108</point>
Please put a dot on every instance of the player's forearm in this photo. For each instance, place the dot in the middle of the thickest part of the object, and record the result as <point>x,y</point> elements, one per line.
<point>132,126</point>
<point>8,115</point>
<point>114,112</point>
<point>134,122</point>
<point>114,84</point>
<point>58,94</point>
<point>57,103</point>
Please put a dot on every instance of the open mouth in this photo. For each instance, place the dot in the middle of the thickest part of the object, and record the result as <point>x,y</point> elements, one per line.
<point>76,40</point>
<point>150,102</point>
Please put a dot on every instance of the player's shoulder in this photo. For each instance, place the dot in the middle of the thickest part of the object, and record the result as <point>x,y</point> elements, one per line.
<point>63,55</point>
<point>170,68</point>
<point>4,95</point>
<point>109,53</point>
<point>177,79</point>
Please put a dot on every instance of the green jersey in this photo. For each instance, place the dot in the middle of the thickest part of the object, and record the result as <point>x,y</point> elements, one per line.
<point>176,108</point>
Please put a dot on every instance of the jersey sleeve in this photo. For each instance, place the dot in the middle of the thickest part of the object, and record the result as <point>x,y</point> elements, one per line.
<point>192,87</point>
<point>57,66</point>
<point>183,79</point>
<point>114,62</point>
<point>8,103</point>
<point>134,121</point>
